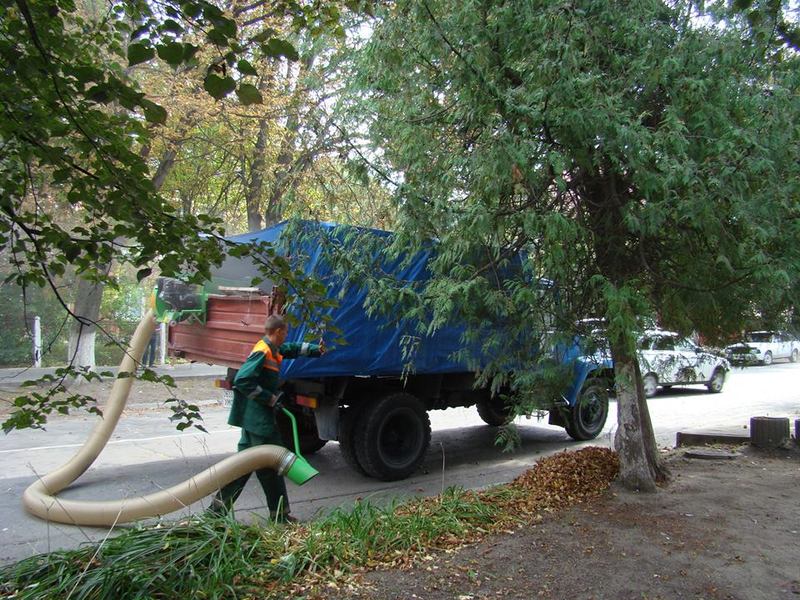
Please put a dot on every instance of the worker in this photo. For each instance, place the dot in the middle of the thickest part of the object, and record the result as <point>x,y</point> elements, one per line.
<point>149,356</point>
<point>256,399</point>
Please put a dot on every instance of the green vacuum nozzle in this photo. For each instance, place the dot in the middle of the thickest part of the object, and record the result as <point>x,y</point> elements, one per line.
<point>301,472</point>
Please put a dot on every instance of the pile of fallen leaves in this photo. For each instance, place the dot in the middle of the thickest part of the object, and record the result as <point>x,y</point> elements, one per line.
<point>554,483</point>
<point>558,481</point>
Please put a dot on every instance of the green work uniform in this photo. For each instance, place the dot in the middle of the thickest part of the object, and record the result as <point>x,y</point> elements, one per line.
<point>254,386</point>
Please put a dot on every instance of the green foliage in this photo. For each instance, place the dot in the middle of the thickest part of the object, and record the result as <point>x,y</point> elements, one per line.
<point>33,409</point>
<point>18,308</point>
<point>185,560</point>
<point>248,94</point>
<point>640,160</point>
<point>75,129</point>
<point>139,53</point>
<point>277,48</point>
<point>184,414</point>
<point>119,314</point>
<point>217,86</point>
<point>72,125</point>
<point>54,394</point>
<point>220,557</point>
<point>768,20</point>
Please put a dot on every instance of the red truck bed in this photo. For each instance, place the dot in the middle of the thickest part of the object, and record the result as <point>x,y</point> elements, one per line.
<point>233,326</point>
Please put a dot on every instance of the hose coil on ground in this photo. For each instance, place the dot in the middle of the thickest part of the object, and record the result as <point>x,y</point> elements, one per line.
<point>40,498</point>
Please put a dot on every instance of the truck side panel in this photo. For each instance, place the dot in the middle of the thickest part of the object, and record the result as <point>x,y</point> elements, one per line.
<point>233,325</point>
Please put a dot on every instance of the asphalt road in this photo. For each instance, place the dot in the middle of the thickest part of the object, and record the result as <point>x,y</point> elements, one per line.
<point>12,377</point>
<point>146,454</point>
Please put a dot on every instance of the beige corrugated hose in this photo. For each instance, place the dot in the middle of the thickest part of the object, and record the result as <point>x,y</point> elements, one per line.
<point>40,497</point>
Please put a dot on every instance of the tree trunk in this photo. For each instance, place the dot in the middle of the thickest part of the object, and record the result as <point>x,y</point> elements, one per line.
<point>285,181</point>
<point>256,183</point>
<point>286,172</point>
<point>89,294</point>
<point>165,166</point>
<point>86,310</point>
<point>769,432</point>
<point>187,203</point>
<point>641,466</point>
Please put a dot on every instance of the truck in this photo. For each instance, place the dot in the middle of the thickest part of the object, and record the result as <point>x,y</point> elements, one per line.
<point>361,394</point>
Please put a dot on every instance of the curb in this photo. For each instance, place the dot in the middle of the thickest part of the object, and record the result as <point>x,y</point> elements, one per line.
<point>711,437</point>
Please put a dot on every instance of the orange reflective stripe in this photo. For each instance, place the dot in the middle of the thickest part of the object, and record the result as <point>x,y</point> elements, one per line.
<point>271,363</point>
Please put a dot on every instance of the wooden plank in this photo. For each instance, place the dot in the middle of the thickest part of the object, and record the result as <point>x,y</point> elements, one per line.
<point>234,324</point>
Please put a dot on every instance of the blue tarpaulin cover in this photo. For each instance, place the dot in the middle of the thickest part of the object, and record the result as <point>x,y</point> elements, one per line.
<point>374,343</point>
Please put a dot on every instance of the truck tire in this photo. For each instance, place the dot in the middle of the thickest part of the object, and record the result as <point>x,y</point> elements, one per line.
<point>307,434</point>
<point>393,437</point>
<point>650,385</point>
<point>588,417</point>
<point>349,429</point>
<point>717,381</point>
<point>493,411</point>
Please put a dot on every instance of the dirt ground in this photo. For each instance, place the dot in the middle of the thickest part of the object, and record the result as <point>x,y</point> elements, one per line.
<point>721,529</point>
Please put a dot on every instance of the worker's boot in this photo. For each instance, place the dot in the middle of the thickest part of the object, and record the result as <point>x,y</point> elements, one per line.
<point>218,508</point>
<point>286,519</point>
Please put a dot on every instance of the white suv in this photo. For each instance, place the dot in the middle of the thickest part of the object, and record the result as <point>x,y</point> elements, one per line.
<point>667,358</point>
<point>763,347</point>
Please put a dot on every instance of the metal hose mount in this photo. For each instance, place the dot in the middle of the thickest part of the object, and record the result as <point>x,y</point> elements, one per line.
<point>40,498</point>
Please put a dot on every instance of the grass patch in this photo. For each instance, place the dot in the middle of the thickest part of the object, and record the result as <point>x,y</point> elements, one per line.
<point>200,558</point>
<point>221,558</point>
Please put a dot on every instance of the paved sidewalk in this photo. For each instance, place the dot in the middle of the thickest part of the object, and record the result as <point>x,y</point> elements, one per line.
<point>15,376</point>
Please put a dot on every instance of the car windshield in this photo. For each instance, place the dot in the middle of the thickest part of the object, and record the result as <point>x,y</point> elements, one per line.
<point>758,336</point>
<point>664,343</point>
<point>657,342</point>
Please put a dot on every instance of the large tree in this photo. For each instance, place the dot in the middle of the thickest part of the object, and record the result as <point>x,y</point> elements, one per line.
<point>641,156</point>
<point>78,122</point>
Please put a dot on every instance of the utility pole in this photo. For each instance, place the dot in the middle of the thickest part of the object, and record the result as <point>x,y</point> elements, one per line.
<point>162,350</point>
<point>37,342</point>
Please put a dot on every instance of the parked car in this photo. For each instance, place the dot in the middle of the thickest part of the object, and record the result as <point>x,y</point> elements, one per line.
<point>667,358</point>
<point>763,347</point>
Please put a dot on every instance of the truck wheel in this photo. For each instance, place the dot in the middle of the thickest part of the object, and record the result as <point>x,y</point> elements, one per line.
<point>307,434</point>
<point>588,417</point>
<point>767,360</point>
<point>349,429</point>
<point>493,411</point>
<point>793,357</point>
<point>394,435</point>
<point>717,381</point>
<point>650,385</point>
